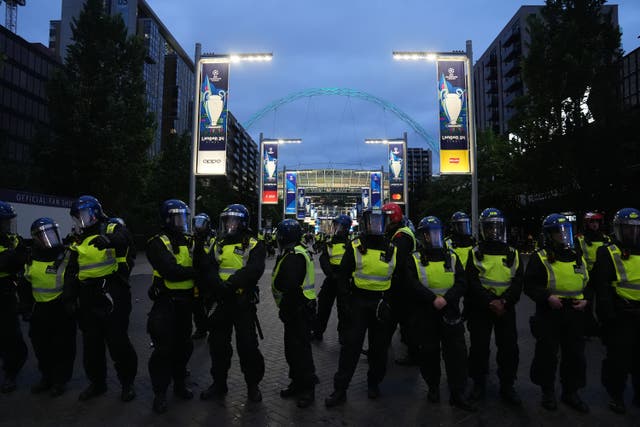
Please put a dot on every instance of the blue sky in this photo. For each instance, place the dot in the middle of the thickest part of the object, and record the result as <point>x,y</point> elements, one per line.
<point>346,43</point>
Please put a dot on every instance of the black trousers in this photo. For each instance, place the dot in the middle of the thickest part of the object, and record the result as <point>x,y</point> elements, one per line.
<point>200,311</point>
<point>406,314</point>
<point>436,336</point>
<point>481,322</point>
<point>297,347</point>
<point>13,350</point>
<point>53,336</point>
<point>327,295</point>
<point>622,340</point>
<point>230,315</point>
<point>360,320</point>
<point>103,327</point>
<point>559,331</point>
<point>169,325</point>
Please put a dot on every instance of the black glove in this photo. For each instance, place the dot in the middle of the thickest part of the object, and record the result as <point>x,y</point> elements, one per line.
<point>101,242</point>
<point>226,289</point>
<point>154,292</point>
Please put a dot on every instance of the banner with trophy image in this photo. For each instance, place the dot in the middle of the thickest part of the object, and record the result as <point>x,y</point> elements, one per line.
<point>270,173</point>
<point>301,211</point>
<point>291,193</point>
<point>366,200</point>
<point>396,171</point>
<point>376,190</point>
<point>212,116</point>
<point>307,207</point>
<point>453,99</point>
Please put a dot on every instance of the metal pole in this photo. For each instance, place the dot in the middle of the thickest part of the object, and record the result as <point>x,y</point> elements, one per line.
<point>261,172</point>
<point>405,179</point>
<point>195,133</point>
<point>472,142</point>
<point>284,193</point>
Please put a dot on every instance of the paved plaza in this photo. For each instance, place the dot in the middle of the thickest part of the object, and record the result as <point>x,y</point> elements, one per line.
<point>402,401</point>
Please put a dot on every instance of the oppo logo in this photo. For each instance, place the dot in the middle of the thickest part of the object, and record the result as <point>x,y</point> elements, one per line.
<point>211,161</point>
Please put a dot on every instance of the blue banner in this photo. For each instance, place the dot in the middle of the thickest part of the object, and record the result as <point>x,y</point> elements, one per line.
<point>307,207</point>
<point>453,99</point>
<point>376,190</point>
<point>396,171</point>
<point>301,211</point>
<point>291,192</point>
<point>270,173</point>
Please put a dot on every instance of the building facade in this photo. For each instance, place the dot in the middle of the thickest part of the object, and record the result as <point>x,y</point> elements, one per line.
<point>242,158</point>
<point>25,69</point>
<point>418,167</point>
<point>630,80</point>
<point>169,73</point>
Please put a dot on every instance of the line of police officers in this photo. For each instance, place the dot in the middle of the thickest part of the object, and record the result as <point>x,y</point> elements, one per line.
<point>379,279</point>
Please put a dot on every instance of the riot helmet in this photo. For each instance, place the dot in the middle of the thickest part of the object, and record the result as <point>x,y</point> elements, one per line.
<point>493,227</point>
<point>201,223</point>
<point>373,222</point>
<point>430,233</point>
<point>45,233</point>
<point>460,224</point>
<point>117,220</point>
<point>175,215</point>
<point>394,215</point>
<point>234,220</point>
<point>86,211</point>
<point>7,218</point>
<point>593,222</point>
<point>626,227</point>
<point>340,226</point>
<point>288,234</point>
<point>558,232</point>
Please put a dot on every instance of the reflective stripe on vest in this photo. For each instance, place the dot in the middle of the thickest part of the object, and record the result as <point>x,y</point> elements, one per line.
<point>308,285</point>
<point>14,243</point>
<point>232,258</point>
<point>183,258</point>
<point>563,279</point>
<point>119,259</point>
<point>372,273</point>
<point>628,274</point>
<point>589,251</point>
<point>46,283</point>
<point>435,276</point>
<point>494,275</point>
<point>94,263</point>
<point>408,232</point>
<point>335,252</point>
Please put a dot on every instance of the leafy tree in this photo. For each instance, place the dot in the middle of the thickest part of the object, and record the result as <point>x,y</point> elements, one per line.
<point>99,120</point>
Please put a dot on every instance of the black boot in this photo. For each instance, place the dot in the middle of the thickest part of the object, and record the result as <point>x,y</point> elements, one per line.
<point>479,389</point>
<point>41,386</point>
<point>549,401</point>
<point>182,391</point>
<point>574,401</point>
<point>510,395</point>
<point>57,390</point>
<point>459,400</point>
<point>9,384</point>
<point>338,397</point>
<point>373,391</point>
<point>290,391</point>
<point>253,393</point>
<point>93,390</point>
<point>128,393</point>
<point>616,404</point>
<point>306,397</point>
<point>433,395</point>
<point>160,403</point>
<point>215,390</point>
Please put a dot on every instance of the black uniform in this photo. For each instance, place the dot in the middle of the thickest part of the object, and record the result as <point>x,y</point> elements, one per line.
<point>13,350</point>
<point>169,322</point>
<point>104,306</point>
<point>296,313</point>
<point>328,291</point>
<point>481,320</point>
<point>52,327</point>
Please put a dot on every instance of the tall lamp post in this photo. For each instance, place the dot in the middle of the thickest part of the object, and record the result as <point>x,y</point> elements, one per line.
<point>200,59</point>
<point>263,166</point>
<point>467,57</point>
<point>403,164</point>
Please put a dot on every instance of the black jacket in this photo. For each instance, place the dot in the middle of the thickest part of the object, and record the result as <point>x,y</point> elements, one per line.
<point>290,279</point>
<point>164,261</point>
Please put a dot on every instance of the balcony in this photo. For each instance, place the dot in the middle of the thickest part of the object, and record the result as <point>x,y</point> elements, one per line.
<point>513,85</point>
<point>513,37</point>
<point>492,88</point>
<point>513,69</point>
<point>512,54</point>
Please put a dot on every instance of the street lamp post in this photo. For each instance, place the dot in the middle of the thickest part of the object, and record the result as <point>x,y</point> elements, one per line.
<point>467,56</point>
<point>404,145</point>
<point>278,141</point>
<point>199,57</point>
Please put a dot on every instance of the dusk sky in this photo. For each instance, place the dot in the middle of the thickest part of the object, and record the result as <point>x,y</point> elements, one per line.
<point>345,44</point>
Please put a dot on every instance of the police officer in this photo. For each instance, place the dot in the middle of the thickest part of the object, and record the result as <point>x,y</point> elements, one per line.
<point>292,285</point>
<point>592,237</point>
<point>52,327</point>
<point>126,255</point>
<point>13,350</point>
<point>330,260</point>
<point>404,308</point>
<point>169,322</point>
<point>555,280</point>
<point>616,277</point>
<point>202,232</point>
<point>460,239</point>
<point>104,299</point>
<point>239,259</point>
<point>364,282</point>
<point>438,281</point>
<point>495,279</point>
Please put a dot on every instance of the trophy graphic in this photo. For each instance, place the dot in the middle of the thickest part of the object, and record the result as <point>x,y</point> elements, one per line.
<point>451,102</point>
<point>365,202</point>
<point>270,166</point>
<point>301,202</point>
<point>213,105</point>
<point>395,164</point>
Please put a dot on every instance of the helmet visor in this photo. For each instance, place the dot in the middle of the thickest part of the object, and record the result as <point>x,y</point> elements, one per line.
<point>493,230</point>
<point>338,229</point>
<point>375,224</point>
<point>230,225</point>
<point>432,238</point>
<point>561,235</point>
<point>628,233</point>
<point>200,224</point>
<point>85,218</point>
<point>47,237</point>
<point>8,225</point>
<point>462,227</point>
<point>179,220</point>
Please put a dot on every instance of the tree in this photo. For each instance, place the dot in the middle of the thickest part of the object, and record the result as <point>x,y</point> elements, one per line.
<point>99,120</point>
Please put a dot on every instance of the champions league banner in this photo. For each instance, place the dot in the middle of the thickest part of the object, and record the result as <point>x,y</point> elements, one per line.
<point>291,193</point>
<point>301,211</point>
<point>212,117</point>
<point>270,173</point>
<point>396,171</point>
<point>453,99</point>
<point>307,207</point>
<point>366,200</point>
<point>376,190</point>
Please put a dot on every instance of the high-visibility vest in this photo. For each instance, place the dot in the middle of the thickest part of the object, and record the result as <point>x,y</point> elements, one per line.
<point>13,240</point>
<point>406,230</point>
<point>373,272</point>
<point>494,275</point>
<point>183,258</point>
<point>94,263</point>
<point>627,284</point>
<point>565,279</point>
<point>336,252</point>
<point>232,258</point>
<point>461,251</point>
<point>46,278</point>
<point>209,245</point>
<point>308,285</point>
<point>589,250</point>
<point>436,276</point>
